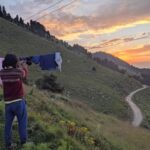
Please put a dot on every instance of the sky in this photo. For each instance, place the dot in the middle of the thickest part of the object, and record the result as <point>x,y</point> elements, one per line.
<point>118,27</point>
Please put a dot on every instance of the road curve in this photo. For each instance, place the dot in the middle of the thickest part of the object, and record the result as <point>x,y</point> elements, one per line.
<point>137,114</point>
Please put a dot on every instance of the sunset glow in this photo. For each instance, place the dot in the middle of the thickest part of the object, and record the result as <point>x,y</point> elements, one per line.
<point>121,28</point>
<point>135,55</point>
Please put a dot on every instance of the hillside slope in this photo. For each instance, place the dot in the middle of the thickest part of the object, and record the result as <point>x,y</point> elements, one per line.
<point>122,65</point>
<point>119,65</point>
<point>103,89</point>
<point>52,116</point>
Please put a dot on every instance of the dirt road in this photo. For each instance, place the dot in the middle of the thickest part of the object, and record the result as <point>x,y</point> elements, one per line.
<point>137,114</point>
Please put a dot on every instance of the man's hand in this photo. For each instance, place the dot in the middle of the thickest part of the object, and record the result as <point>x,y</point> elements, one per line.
<point>23,66</point>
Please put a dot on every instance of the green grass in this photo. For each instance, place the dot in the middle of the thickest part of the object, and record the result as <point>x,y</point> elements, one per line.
<point>45,130</point>
<point>121,134</point>
<point>46,111</point>
<point>104,90</point>
<point>142,99</point>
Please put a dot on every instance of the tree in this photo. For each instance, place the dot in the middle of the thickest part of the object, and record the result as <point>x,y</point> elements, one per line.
<point>79,49</point>
<point>27,26</point>
<point>37,28</point>
<point>8,17</point>
<point>4,12</point>
<point>21,21</point>
<point>1,13</point>
<point>16,19</point>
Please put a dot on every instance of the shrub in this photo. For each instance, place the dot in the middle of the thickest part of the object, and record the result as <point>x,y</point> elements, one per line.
<point>49,83</point>
<point>93,69</point>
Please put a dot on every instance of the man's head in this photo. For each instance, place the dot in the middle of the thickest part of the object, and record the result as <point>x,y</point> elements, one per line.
<point>10,60</point>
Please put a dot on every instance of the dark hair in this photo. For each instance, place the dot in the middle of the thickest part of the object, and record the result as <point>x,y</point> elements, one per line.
<point>10,60</point>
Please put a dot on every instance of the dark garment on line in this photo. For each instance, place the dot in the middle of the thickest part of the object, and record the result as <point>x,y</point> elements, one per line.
<point>35,59</point>
<point>28,60</point>
<point>47,62</point>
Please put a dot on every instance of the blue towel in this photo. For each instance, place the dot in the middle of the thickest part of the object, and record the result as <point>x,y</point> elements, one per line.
<point>35,59</point>
<point>47,62</point>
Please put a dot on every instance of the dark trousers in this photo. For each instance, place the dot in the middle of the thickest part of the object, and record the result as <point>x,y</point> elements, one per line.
<point>17,109</point>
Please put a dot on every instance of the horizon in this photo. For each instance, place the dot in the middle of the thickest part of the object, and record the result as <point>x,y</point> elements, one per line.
<point>140,65</point>
<point>122,32</point>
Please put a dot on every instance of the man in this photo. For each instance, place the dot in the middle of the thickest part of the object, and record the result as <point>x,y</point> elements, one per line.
<point>12,76</point>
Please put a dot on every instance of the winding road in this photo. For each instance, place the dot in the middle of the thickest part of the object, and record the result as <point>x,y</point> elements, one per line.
<point>137,114</point>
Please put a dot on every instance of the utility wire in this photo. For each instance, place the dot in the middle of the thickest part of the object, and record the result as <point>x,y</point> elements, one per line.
<point>43,10</point>
<point>57,9</point>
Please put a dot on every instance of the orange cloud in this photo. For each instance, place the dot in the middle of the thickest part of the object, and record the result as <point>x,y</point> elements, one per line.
<point>64,29</point>
<point>86,18</point>
<point>70,26</point>
<point>117,41</point>
<point>73,30</point>
<point>137,55</point>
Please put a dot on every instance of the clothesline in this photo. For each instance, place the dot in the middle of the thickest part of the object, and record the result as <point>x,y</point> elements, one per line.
<point>46,62</point>
<point>1,60</point>
<point>49,62</point>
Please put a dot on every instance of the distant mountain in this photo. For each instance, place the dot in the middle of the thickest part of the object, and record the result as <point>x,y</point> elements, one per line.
<point>119,65</point>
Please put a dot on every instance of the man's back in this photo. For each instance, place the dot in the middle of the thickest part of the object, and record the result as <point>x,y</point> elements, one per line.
<point>12,83</point>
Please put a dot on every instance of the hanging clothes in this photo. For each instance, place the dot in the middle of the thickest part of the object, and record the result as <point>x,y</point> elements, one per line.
<point>47,62</point>
<point>1,62</point>
<point>28,60</point>
<point>35,59</point>
<point>58,60</point>
<point>1,67</point>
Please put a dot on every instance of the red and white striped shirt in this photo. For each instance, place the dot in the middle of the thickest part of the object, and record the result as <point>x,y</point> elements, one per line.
<point>12,83</point>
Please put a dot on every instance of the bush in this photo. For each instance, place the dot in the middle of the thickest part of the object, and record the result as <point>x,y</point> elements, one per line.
<point>93,69</point>
<point>49,83</point>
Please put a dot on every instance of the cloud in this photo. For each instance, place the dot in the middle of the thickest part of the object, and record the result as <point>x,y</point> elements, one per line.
<point>27,8</point>
<point>144,64</point>
<point>141,54</point>
<point>43,1</point>
<point>109,17</point>
<point>88,17</point>
<point>117,41</point>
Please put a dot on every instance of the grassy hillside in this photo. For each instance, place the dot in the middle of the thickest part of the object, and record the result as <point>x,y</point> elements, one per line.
<point>51,116</point>
<point>142,99</point>
<point>103,89</point>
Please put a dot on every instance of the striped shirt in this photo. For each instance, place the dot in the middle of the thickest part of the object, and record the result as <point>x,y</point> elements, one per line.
<point>12,83</point>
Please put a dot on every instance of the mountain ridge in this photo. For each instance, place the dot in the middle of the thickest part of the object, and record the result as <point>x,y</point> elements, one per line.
<point>114,63</point>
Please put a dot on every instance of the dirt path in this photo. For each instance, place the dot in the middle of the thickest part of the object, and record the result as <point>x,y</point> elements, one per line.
<point>137,114</point>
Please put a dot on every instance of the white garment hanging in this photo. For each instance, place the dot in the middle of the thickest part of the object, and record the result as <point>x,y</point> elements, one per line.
<point>58,60</point>
<point>1,61</point>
